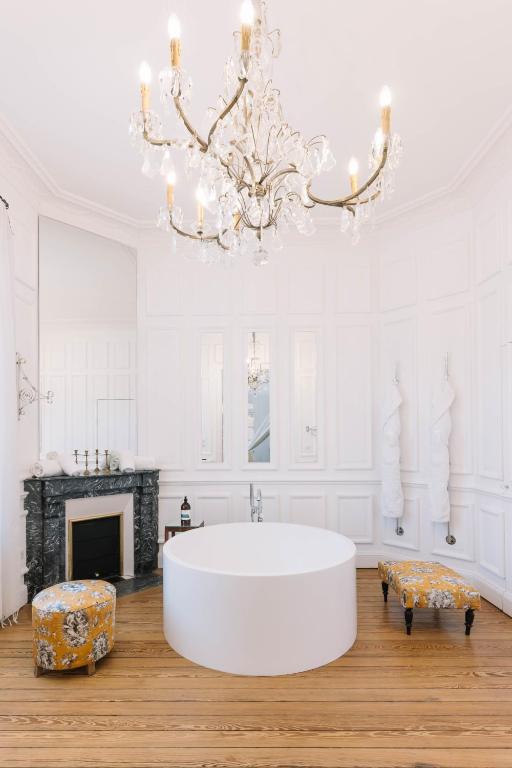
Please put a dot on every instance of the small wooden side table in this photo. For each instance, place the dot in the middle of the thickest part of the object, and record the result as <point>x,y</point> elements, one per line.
<point>172,530</point>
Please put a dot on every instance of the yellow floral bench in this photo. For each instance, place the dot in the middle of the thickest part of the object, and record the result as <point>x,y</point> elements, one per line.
<point>73,624</point>
<point>421,584</point>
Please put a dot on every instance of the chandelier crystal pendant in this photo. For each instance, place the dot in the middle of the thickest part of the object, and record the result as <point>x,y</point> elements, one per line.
<point>255,171</point>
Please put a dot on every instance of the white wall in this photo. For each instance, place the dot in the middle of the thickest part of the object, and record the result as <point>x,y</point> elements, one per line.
<point>88,329</point>
<point>19,187</point>
<point>435,282</point>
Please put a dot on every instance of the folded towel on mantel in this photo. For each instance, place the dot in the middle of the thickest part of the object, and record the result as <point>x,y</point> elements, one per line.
<point>126,461</point>
<point>45,468</point>
<point>69,465</point>
<point>144,462</point>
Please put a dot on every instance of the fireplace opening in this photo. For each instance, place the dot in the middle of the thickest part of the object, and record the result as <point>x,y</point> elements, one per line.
<point>95,548</point>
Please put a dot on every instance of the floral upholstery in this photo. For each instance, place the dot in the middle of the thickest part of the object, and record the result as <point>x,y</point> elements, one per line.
<point>73,624</point>
<point>421,584</point>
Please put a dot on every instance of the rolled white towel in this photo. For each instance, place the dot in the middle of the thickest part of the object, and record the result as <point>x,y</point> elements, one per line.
<point>126,461</point>
<point>45,468</point>
<point>113,461</point>
<point>68,464</point>
<point>144,462</point>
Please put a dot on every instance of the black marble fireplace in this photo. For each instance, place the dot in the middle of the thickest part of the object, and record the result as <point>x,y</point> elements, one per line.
<point>46,521</point>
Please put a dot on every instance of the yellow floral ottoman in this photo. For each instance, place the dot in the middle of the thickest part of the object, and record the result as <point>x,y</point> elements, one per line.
<point>73,625</point>
<point>421,584</point>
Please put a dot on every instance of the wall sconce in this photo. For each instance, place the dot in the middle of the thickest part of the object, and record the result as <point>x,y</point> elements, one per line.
<point>26,391</point>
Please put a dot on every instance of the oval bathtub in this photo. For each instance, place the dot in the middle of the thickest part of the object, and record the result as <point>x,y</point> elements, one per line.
<point>260,598</point>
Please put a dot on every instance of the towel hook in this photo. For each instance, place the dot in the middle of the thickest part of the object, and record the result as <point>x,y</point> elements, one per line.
<point>450,538</point>
<point>446,368</point>
<point>396,378</point>
<point>398,528</point>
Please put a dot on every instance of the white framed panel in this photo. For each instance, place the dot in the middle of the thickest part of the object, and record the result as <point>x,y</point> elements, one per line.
<point>213,508</point>
<point>164,381</point>
<point>491,529</point>
<point>306,422</point>
<point>489,382</point>
<point>308,509</point>
<point>354,396</point>
<point>489,241</point>
<point>355,517</point>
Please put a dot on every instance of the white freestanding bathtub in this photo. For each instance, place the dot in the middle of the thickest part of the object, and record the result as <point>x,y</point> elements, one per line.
<point>260,598</point>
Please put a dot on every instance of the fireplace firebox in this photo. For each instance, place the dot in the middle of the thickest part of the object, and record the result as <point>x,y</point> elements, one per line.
<point>95,549</point>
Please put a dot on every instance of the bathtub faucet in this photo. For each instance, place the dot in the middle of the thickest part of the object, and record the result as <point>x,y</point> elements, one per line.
<point>256,505</point>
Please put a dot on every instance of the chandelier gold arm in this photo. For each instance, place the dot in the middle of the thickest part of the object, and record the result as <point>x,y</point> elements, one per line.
<point>352,199</point>
<point>242,82</point>
<point>200,236</point>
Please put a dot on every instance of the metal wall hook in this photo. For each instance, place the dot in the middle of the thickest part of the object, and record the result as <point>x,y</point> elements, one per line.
<point>398,528</point>
<point>450,538</point>
<point>396,378</point>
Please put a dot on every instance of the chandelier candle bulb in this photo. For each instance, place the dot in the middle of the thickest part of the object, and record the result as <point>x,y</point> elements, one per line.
<point>171,181</point>
<point>200,210</point>
<point>385,110</point>
<point>353,170</point>
<point>247,19</point>
<point>145,80</point>
<point>174,30</point>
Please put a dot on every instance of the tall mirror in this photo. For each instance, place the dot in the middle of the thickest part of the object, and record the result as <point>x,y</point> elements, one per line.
<point>258,397</point>
<point>87,331</point>
<point>212,398</point>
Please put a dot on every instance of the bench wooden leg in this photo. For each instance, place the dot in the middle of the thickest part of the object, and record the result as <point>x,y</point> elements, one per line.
<point>38,671</point>
<point>385,587</point>
<point>470,617</point>
<point>91,668</point>
<point>408,620</point>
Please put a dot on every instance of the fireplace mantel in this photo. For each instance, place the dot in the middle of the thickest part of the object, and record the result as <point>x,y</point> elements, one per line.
<point>45,504</point>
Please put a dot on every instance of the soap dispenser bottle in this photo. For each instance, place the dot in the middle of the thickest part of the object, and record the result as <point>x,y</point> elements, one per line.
<point>185,514</point>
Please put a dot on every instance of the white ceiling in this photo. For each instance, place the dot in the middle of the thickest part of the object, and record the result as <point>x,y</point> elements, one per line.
<point>69,82</point>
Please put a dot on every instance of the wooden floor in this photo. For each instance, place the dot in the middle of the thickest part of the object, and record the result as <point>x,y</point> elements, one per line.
<point>435,699</point>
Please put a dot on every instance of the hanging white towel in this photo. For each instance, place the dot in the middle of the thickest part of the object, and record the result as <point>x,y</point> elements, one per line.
<point>392,493</point>
<point>45,468</point>
<point>440,454</point>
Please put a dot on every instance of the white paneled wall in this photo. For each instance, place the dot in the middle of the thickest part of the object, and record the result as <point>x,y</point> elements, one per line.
<point>432,287</point>
<point>433,282</point>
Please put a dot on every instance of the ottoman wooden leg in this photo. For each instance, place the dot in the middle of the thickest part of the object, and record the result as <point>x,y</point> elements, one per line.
<point>408,620</point>
<point>470,617</point>
<point>38,671</point>
<point>91,668</point>
<point>385,587</point>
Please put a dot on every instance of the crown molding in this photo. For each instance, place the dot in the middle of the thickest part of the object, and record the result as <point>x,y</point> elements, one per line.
<point>431,198</point>
<point>323,222</point>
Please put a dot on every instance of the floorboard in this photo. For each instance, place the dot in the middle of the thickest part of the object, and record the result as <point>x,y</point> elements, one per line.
<point>437,699</point>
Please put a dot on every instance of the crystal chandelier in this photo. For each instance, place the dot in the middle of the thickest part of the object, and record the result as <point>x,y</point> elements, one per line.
<point>257,374</point>
<point>255,171</point>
